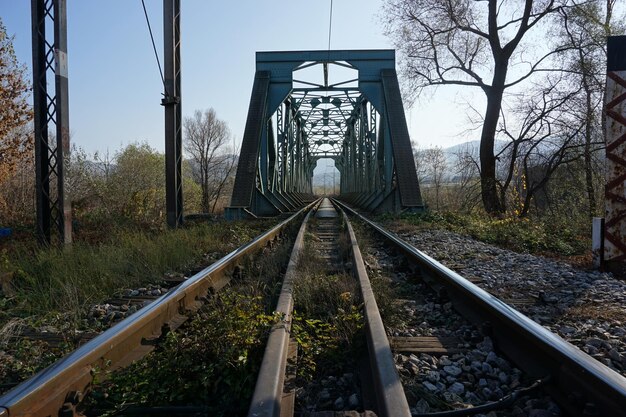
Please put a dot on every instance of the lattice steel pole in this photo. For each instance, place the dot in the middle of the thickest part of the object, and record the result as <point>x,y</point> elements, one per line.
<point>50,57</point>
<point>615,190</point>
<point>173,113</point>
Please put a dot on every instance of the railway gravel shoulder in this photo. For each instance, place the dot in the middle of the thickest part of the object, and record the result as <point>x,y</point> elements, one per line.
<point>444,361</point>
<point>586,308</point>
<point>577,382</point>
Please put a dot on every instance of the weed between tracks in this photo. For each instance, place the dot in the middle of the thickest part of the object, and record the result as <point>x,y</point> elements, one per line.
<point>213,359</point>
<point>327,325</point>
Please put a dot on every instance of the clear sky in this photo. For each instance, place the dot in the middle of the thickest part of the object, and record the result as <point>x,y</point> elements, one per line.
<point>115,87</point>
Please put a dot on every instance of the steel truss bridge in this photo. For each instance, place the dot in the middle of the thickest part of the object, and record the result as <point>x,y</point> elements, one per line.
<point>309,105</point>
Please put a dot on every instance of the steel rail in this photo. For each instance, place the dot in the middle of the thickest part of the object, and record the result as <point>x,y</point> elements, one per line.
<point>580,384</point>
<point>391,400</point>
<point>266,400</point>
<point>390,397</point>
<point>62,385</point>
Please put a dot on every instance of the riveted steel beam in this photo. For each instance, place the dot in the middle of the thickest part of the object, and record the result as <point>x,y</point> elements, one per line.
<point>358,122</point>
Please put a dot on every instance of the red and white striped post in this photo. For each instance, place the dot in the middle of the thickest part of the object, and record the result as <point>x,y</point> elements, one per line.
<point>615,190</point>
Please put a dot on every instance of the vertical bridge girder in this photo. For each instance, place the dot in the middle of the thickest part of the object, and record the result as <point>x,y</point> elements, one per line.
<point>292,123</point>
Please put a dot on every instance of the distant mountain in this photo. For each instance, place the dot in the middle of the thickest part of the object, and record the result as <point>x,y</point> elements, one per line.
<point>472,147</point>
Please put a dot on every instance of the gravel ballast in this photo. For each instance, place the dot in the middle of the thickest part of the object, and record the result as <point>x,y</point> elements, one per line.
<point>586,308</point>
<point>583,307</point>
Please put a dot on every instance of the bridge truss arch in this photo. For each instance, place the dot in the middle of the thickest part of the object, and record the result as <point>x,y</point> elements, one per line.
<point>357,121</point>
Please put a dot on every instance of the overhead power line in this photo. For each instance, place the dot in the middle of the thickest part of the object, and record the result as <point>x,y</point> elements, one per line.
<point>145,12</point>
<point>330,23</point>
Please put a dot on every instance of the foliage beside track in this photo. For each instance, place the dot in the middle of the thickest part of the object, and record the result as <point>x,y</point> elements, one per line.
<point>65,282</point>
<point>212,359</point>
<point>553,235</point>
<point>213,362</point>
<point>51,290</point>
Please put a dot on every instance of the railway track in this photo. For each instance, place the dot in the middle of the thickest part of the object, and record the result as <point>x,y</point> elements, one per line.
<point>274,394</point>
<point>580,385</point>
<point>59,389</point>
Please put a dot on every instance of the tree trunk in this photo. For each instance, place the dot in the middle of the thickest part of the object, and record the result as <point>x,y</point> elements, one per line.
<point>588,163</point>
<point>205,204</point>
<point>489,192</point>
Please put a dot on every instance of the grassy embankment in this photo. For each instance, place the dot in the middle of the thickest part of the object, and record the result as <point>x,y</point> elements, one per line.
<point>64,282</point>
<point>53,289</point>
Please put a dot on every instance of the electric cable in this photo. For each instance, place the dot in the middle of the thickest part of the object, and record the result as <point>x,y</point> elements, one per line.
<point>330,28</point>
<point>145,12</point>
<point>500,404</point>
<point>330,23</point>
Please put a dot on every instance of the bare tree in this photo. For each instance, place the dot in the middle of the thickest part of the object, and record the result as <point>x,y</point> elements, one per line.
<point>435,168</point>
<point>225,168</point>
<point>466,184</point>
<point>585,28</point>
<point>474,44</point>
<point>546,137</point>
<point>418,157</point>
<point>205,138</point>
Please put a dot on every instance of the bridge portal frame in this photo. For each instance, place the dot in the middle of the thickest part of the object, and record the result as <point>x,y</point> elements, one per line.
<point>270,179</point>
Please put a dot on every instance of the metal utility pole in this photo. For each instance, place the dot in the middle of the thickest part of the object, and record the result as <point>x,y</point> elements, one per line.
<point>54,209</point>
<point>615,190</point>
<point>173,113</point>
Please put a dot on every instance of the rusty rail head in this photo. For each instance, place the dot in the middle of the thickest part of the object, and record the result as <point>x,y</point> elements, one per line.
<point>46,392</point>
<point>266,400</point>
<point>390,397</point>
<point>579,383</point>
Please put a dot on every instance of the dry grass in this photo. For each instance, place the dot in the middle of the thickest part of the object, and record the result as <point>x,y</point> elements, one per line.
<point>66,282</point>
<point>599,312</point>
<point>10,330</point>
